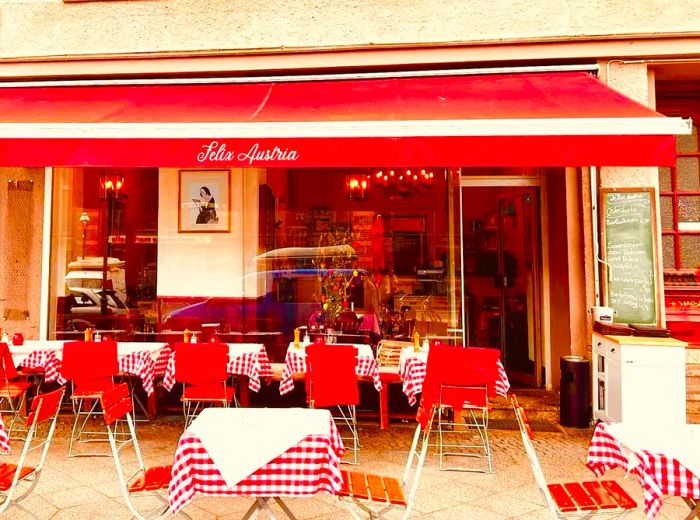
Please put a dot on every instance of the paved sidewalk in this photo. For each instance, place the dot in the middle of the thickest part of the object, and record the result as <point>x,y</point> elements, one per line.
<point>86,488</point>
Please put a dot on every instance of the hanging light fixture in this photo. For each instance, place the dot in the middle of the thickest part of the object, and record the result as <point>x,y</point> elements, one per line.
<point>405,181</point>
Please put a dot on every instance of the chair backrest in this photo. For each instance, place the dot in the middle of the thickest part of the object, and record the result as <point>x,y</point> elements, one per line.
<point>389,352</point>
<point>458,375</point>
<point>527,437</point>
<point>45,407</point>
<point>7,365</point>
<point>331,375</point>
<point>88,361</point>
<point>116,403</point>
<point>201,363</point>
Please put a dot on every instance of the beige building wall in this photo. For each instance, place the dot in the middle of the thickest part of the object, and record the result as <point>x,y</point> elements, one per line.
<point>31,28</point>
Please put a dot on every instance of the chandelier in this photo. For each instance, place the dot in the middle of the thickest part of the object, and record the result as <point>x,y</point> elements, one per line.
<point>404,182</point>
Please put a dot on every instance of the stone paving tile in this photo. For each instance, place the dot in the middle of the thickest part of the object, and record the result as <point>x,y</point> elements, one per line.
<point>86,488</point>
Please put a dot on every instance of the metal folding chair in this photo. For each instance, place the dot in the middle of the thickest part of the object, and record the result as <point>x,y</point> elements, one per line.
<point>136,481</point>
<point>91,367</point>
<point>378,495</point>
<point>459,382</point>
<point>202,370</point>
<point>18,480</point>
<point>331,382</point>
<point>575,500</point>
<point>13,391</point>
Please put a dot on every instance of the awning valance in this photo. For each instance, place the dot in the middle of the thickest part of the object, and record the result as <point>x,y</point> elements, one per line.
<point>534,119</point>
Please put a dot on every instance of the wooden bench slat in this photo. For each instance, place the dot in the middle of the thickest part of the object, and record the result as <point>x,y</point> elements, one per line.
<point>394,491</point>
<point>358,484</point>
<point>582,499</point>
<point>618,494</point>
<point>345,489</point>
<point>599,494</point>
<point>562,498</point>
<point>376,488</point>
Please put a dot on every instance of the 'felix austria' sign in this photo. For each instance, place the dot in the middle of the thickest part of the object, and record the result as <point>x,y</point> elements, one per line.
<point>218,152</point>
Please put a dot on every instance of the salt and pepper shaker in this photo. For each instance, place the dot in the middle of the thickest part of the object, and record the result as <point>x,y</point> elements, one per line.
<point>5,338</point>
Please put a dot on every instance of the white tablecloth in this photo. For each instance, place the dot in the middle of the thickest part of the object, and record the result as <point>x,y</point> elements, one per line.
<point>241,440</point>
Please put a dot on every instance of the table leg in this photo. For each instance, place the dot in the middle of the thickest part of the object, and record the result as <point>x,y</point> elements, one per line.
<point>384,407</point>
<point>261,504</point>
<point>243,392</point>
<point>694,505</point>
<point>151,408</point>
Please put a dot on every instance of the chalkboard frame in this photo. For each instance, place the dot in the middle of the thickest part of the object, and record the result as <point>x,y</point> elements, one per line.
<point>603,192</point>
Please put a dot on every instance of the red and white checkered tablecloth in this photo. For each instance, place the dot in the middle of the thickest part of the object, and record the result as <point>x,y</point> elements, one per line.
<point>161,363</point>
<point>310,467</point>
<point>255,365</point>
<point>138,363</point>
<point>295,361</point>
<point>658,474</point>
<point>4,438</point>
<point>412,373</point>
<point>48,361</point>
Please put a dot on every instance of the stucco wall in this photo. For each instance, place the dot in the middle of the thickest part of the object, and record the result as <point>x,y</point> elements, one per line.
<point>31,28</point>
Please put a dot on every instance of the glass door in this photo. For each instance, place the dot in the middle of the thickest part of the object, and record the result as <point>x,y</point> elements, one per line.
<point>518,270</point>
<point>502,275</point>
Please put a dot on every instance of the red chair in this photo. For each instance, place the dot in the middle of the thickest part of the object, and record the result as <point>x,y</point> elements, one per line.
<point>13,391</point>
<point>91,367</point>
<point>18,480</point>
<point>331,381</point>
<point>135,479</point>
<point>202,368</point>
<point>460,381</point>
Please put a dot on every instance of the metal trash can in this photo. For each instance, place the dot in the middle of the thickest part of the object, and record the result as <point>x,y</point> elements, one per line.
<point>575,392</point>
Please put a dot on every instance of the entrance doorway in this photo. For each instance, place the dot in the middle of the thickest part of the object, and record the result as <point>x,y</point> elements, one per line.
<point>501,269</point>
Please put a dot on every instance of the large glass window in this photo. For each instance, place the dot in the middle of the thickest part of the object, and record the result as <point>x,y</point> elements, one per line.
<point>363,252</point>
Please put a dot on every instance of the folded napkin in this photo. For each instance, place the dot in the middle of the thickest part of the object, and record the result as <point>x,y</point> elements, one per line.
<point>679,442</point>
<point>242,440</point>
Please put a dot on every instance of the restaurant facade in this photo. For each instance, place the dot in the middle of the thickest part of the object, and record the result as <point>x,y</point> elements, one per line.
<point>454,180</point>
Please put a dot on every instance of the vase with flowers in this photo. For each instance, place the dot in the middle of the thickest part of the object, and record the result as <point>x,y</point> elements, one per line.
<point>336,273</point>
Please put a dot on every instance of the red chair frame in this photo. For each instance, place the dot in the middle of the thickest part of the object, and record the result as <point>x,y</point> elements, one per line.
<point>91,367</point>
<point>202,368</point>
<point>18,480</point>
<point>331,381</point>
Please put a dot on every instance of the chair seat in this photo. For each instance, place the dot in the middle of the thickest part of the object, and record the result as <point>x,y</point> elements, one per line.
<point>92,390</point>
<point>13,389</point>
<point>376,488</point>
<point>157,477</point>
<point>590,496</point>
<point>208,393</point>
<point>389,375</point>
<point>7,474</point>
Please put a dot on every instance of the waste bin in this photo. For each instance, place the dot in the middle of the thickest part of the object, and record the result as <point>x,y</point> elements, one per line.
<point>575,392</point>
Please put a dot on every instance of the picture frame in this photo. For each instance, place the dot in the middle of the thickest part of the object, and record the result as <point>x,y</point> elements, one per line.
<point>204,201</point>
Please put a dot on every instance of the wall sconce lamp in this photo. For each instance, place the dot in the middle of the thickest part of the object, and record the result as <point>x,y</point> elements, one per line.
<point>357,186</point>
<point>111,186</point>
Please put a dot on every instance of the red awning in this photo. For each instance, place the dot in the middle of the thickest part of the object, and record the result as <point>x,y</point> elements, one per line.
<point>535,119</point>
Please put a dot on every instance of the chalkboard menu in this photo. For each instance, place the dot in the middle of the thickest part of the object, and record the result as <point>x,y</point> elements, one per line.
<point>629,253</point>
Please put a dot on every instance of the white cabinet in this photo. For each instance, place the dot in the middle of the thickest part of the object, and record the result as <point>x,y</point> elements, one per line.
<point>638,379</point>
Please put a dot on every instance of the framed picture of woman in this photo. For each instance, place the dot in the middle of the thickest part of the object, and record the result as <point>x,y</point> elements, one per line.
<point>204,201</point>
